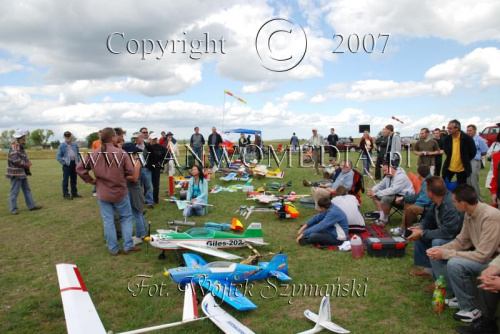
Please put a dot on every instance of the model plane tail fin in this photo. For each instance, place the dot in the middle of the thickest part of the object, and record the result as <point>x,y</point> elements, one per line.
<point>190,311</point>
<point>79,310</point>
<point>279,263</point>
<point>322,320</point>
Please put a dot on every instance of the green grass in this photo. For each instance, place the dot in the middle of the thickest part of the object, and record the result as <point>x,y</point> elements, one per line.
<point>71,231</point>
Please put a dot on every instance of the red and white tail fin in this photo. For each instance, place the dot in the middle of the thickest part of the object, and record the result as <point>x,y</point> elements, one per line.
<point>323,319</point>
<point>190,311</point>
<point>81,315</point>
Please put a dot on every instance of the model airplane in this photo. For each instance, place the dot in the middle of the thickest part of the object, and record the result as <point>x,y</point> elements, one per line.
<point>323,319</point>
<point>82,317</point>
<point>221,278</point>
<point>208,241</point>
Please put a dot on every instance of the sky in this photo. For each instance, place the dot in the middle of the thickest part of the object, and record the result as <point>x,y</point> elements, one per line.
<point>81,66</point>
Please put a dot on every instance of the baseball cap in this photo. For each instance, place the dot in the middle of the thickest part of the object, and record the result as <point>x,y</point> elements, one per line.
<point>136,135</point>
<point>153,136</point>
<point>67,134</point>
<point>130,148</point>
<point>315,129</point>
<point>19,133</point>
<point>170,133</point>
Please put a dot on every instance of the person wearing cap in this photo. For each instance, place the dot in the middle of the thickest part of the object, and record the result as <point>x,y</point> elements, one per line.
<point>68,156</point>
<point>135,193</point>
<point>145,178</point>
<point>18,167</point>
<point>316,142</point>
<point>155,163</point>
<point>172,153</point>
<point>395,183</point>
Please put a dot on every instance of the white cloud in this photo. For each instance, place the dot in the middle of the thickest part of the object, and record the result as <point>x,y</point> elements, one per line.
<point>465,21</point>
<point>259,87</point>
<point>293,96</point>
<point>7,66</point>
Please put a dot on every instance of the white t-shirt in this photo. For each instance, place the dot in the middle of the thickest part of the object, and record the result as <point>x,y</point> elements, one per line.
<point>350,205</point>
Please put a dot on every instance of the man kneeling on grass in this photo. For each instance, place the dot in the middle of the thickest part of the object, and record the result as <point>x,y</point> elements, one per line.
<point>329,227</point>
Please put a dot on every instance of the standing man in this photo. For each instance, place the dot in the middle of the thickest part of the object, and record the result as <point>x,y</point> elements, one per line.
<point>457,262</point>
<point>332,141</point>
<point>197,141</point>
<point>316,142</point>
<point>438,159</point>
<point>68,156</point>
<point>258,143</point>
<point>381,143</point>
<point>426,149</point>
<point>155,163</point>
<point>393,154</point>
<point>294,141</point>
<point>460,150</point>
<point>145,176</point>
<point>214,142</point>
<point>112,193</point>
<point>18,168</point>
<point>481,149</point>
<point>145,134</point>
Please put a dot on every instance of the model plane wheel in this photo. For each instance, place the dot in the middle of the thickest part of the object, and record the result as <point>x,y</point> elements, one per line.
<point>162,256</point>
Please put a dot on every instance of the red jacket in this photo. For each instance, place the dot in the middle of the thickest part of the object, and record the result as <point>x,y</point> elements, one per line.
<point>494,181</point>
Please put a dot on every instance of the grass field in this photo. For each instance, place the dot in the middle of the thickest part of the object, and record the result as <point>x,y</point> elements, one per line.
<point>71,231</point>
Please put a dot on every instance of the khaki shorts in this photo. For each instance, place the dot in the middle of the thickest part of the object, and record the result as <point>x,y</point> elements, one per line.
<point>386,200</point>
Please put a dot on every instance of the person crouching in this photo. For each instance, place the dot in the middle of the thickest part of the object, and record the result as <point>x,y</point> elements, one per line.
<point>197,193</point>
<point>329,227</point>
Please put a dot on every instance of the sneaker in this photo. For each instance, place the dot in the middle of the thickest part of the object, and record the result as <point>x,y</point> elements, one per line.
<point>467,316</point>
<point>94,194</point>
<point>136,240</point>
<point>481,325</point>
<point>372,215</point>
<point>36,207</point>
<point>14,212</point>
<point>380,222</point>
<point>452,303</point>
<point>68,197</point>
<point>76,196</point>
<point>306,183</point>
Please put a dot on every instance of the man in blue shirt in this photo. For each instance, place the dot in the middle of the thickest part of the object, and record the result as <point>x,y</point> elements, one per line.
<point>329,227</point>
<point>68,157</point>
<point>481,149</point>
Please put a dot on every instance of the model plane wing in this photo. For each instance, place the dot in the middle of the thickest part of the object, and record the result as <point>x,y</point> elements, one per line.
<point>255,242</point>
<point>209,251</point>
<point>221,318</point>
<point>81,315</point>
<point>228,293</point>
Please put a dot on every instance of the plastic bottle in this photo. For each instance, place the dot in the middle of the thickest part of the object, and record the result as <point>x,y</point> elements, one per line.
<point>439,295</point>
<point>356,247</point>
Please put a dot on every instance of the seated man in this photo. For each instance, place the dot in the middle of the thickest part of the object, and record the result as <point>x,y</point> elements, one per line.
<point>346,179</point>
<point>395,182</point>
<point>457,262</point>
<point>329,227</point>
<point>415,204</point>
<point>330,172</point>
<point>349,204</point>
<point>440,225</point>
<point>488,301</point>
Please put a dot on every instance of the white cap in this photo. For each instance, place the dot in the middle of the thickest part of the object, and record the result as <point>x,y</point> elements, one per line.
<point>152,136</point>
<point>19,133</point>
<point>315,129</point>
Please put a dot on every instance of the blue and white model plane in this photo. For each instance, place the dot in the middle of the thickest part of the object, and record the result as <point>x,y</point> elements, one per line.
<point>222,278</point>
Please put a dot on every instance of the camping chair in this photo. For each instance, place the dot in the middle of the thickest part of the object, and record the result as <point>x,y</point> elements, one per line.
<point>358,185</point>
<point>396,208</point>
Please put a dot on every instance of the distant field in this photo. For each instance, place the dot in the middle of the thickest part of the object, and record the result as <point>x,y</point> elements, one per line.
<point>391,300</point>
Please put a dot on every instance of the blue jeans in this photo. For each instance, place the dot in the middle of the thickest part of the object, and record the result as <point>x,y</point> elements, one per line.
<point>324,239</point>
<point>212,156</point>
<point>124,210</point>
<point>16,184</point>
<point>69,172</point>
<point>420,257</point>
<point>146,182</point>
<point>194,210</point>
<point>366,163</point>
<point>140,223</point>
<point>458,273</point>
<point>198,151</point>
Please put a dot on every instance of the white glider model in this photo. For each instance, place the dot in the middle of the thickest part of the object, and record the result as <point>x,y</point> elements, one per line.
<point>322,319</point>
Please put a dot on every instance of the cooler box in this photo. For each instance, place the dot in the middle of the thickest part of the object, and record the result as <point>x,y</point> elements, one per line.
<point>307,202</point>
<point>386,247</point>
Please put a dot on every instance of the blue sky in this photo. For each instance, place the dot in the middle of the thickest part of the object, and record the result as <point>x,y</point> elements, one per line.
<point>442,61</point>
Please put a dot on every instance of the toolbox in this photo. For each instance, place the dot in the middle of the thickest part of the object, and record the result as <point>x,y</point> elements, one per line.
<point>386,247</point>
